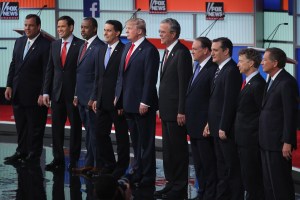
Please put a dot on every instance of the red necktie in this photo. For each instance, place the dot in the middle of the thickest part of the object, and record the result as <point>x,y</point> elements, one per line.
<point>128,56</point>
<point>243,84</point>
<point>166,58</point>
<point>64,54</point>
<point>83,50</point>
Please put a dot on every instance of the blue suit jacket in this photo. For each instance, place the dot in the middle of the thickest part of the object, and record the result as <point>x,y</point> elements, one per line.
<point>85,75</point>
<point>137,84</point>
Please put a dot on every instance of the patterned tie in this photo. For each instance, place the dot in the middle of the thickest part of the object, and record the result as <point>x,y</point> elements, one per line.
<point>270,83</point>
<point>216,74</point>
<point>243,84</point>
<point>128,56</point>
<point>83,50</point>
<point>27,47</point>
<point>165,58</point>
<point>64,54</point>
<point>107,56</point>
<point>197,70</point>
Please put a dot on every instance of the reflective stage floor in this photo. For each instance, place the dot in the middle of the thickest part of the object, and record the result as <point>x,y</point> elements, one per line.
<point>32,182</point>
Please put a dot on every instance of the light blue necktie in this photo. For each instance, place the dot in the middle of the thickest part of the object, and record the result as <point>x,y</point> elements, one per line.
<point>107,56</point>
<point>270,83</point>
<point>197,70</point>
<point>26,49</point>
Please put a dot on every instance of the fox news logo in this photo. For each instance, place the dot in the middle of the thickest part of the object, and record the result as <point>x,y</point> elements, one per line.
<point>158,6</point>
<point>9,10</point>
<point>214,10</point>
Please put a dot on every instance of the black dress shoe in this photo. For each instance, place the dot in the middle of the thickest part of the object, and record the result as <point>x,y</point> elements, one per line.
<point>159,193</point>
<point>31,158</point>
<point>54,165</point>
<point>17,155</point>
<point>175,195</point>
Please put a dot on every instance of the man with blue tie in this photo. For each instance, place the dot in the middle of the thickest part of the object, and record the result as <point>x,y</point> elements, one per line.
<point>196,111</point>
<point>85,76</point>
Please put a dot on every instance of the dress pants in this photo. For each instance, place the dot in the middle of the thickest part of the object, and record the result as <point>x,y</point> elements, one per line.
<point>104,122</point>
<point>205,166</point>
<point>60,111</point>
<point>142,134</point>
<point>30,125</point>
<point>277,176</point>
<point>175,156</point>
<point>230,184</point>
<point>88,118</point>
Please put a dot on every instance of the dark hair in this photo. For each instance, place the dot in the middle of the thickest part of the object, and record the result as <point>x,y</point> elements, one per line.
<point>251,54</point>
<point>93,20</point>
<point>116,24</point>
<point>225,44</point>
<point>69,20</point>
<point>175,26</point>
<point>278,55</point>
<point>205,42</point>
<point>36,17</point>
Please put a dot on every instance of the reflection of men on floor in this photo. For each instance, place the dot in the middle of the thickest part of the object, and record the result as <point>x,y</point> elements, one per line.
<point>137,94</point>
<point>246,123</point>
<point>277,126</point>
<point>221,114</point>
<point>59,83</point>
<point>176,71</point>
<point>107,67</point>
<point>24,88</point>
<point>86,66</point>
<point>196,111</point>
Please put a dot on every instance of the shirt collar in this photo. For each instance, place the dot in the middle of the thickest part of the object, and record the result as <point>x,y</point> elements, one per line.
<point>138,42</point>
<point>172,46</point>
<point>248,78</point>
<point>90,40</point>
<point>33,40</point>
<point>224,63</point>
<point>69,39</point>
<point>275,75</point>
<point>113,46</point>
<point>203,63</point>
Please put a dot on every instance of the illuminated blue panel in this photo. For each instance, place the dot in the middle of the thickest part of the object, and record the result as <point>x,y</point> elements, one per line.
<point>275,5</point>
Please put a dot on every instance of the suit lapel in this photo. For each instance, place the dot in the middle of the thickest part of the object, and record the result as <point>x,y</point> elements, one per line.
<point>113,55</point>
<point>71,50</point>
<point>170,58</point>
<point>89,49</point>
<point>273,86</point>
<point>135,53</point>
<point>200,76</point>
<point>32,48</point>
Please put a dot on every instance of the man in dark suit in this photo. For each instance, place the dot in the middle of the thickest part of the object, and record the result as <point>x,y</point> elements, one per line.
<point>59,84</point>
<point>86,67</point>
<point>196,111</point>
<point>24,88</point>
<point>221,115</point>
<point>137,94</point>
<point>107,68</point>
<point>278,126</point>
<point>246,123</point>
<point>176,71</point>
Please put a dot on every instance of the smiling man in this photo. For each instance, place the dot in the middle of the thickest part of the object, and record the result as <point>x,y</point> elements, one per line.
<point>59,86</point>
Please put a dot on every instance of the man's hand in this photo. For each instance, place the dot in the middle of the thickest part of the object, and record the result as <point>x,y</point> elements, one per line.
<point>143,109</point>
<point>115,101</point>
<point>8,93</point>
<point>120,112</point>
<point>287,151</point>
<point>222,135</point>
<point>40,100</point>
<point>90,104</point>
<point>75,101</point>
<point>94,106</point>
<point>46,101</point>
<point>206,132</point>
<point>180,119</point>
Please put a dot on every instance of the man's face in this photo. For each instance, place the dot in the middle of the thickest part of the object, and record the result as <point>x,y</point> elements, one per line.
<point>63,29</point>
<point>244,64</point>
<point>110,35</point>
<point>166,36</point>
<point>31,28</point>
<point>132,32</point>
<point>218,54</point>
<point>268,65</point>
<point>87,29</point>
<point>199,53</point>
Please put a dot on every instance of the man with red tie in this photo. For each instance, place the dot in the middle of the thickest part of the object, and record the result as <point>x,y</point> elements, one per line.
<point>59,84</point>
<point>136,93</point>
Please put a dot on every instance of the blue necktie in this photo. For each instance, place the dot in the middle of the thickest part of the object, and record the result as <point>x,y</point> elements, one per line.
<point>26,49</point>
<point>107,56</point>
<point>197,70</point>
<point>270,83</point>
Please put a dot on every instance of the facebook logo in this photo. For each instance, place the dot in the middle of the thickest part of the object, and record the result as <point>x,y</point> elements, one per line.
<point>91,8</point>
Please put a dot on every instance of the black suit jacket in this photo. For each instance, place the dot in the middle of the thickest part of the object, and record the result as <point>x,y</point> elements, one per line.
<point>86,71</point>
<point>137,83</point>
<point>278,117</point>
<point>248,110</point>
<point>25,77</point>
<point>106,78</point>
<point>174,80</point>
<point>197,100</point>
<point>223,101</point>
<point>60,79</point>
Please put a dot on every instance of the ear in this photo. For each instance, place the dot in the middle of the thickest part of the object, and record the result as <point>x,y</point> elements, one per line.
<point>226,52</point>
<point>72,28</point>
<point>118,33</point>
